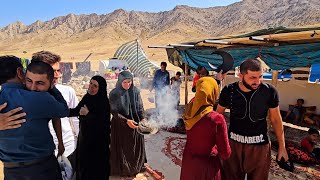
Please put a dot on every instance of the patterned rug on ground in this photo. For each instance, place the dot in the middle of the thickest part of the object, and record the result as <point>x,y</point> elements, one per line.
<point>174,150</point>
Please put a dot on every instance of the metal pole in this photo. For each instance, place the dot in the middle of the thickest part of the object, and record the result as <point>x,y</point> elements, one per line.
<point>186,83</point>
<point>137,55</point>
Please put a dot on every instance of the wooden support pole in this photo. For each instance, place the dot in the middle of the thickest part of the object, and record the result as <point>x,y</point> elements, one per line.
<point>275,78</point>
<point>156,175</point>
<point>186,83</point>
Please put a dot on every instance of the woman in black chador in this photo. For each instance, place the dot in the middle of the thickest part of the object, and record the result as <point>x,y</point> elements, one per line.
<point>127,145</point>
<point>92,154</point>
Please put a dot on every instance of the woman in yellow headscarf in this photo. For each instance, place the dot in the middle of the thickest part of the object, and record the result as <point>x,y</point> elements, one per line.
<point>207,138</point>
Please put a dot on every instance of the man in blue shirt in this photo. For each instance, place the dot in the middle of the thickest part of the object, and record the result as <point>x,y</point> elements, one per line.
<point>27,152</point>
<point>160,83</point>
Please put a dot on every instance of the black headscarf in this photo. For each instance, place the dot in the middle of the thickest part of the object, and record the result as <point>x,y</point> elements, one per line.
<point>99,102</point>
<point>128,106</point>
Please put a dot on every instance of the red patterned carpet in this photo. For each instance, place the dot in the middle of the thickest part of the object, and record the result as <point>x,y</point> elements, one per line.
<point>174,149</point>
<point>172,145</point>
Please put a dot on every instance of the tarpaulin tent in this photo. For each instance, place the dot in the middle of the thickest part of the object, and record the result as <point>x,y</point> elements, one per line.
<point>282,76</point>
<point>138,62</point>
<point>280,48</point>
<point>314,76</point>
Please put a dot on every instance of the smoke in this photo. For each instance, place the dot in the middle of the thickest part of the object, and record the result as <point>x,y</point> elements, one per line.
<point>144,83</point>
<point>166,113</point>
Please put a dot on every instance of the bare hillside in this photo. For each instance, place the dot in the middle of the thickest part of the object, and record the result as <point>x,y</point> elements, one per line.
<point>75,36</point>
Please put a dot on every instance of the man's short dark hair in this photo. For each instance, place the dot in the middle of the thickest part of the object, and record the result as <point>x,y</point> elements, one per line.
<point>201,70</point>
<point>46,56</point>
<point>178,73</point>
<point>163,64</point>
<point>251,65</point>
<point>8,67</point>
<point>39,67</point>
<point>313,131</point>
<point>302,100</point>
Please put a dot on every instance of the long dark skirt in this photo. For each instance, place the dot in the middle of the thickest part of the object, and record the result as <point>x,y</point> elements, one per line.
<point>128,153</point>
<point>92,156</point>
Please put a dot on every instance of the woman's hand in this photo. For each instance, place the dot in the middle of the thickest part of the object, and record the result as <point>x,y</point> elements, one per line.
<point>84,110</point>
<point>132,124</point>
<point>219,76</point>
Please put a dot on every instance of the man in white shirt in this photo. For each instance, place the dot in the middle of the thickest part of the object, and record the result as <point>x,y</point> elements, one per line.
<point>70,126</point>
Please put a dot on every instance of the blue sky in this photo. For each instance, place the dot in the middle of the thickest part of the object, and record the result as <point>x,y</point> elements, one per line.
<point>28,11</point>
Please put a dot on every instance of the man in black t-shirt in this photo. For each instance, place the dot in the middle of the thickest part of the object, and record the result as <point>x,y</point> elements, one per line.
<point>250,101</point>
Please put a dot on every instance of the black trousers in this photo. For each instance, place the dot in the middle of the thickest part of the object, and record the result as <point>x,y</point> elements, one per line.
<point>46,170</point>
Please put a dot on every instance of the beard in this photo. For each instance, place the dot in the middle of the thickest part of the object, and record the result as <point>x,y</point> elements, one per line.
<point>248,86</point>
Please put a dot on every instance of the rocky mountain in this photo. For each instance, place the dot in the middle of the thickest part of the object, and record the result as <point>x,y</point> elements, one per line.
<point>241,16</point>
<point>183,23</point>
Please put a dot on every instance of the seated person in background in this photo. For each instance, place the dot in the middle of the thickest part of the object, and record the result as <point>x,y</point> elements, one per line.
<point>295,113</point>
<point>309,142</point>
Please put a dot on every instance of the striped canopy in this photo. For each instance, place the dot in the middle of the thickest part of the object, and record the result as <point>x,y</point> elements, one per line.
<point>138,62</point>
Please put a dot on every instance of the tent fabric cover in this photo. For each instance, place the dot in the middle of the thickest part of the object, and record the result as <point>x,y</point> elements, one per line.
<point>276,30</point>
<point>281,76</point>
<point>137,60</point>
<point>288,48</point>
<point>276,57</point>
<point>314,75</point>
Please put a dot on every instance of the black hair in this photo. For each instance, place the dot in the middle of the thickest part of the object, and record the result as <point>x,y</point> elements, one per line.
<point>250,64</point>
<point>39,67</point>
<point>178,73</point>
<point>302,100</point>
<point>201,70</point>
<point>313,131</point>
<point>163,64</point>
<point>9,66</point>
